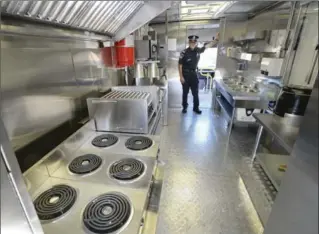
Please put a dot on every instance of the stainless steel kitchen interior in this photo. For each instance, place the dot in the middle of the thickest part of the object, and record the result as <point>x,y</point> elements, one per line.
<point>94,137</point>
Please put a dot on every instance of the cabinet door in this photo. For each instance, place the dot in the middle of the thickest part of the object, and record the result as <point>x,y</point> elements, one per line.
<point>13,219</point>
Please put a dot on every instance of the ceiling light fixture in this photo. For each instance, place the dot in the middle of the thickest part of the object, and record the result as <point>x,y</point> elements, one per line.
<point>201,16</point>
<point>198,11</point>
<point>223,8</point>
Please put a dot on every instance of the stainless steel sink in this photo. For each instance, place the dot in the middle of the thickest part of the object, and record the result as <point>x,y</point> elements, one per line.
<point>238,84</point>
<point>242,89</point>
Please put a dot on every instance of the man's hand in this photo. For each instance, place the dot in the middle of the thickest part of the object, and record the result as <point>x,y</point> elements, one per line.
<point>182,80</point>
<point>217,37</point>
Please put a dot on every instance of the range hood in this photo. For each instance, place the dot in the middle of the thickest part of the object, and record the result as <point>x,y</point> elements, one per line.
<point>104,17</point>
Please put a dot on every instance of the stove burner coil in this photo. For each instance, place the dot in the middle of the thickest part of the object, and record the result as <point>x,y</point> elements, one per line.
<point>85,164</point>
<point>127,169</point>
<point>55,202</point>
<point>107,213</point>
<point>138,143</point>
<point>104,140</point>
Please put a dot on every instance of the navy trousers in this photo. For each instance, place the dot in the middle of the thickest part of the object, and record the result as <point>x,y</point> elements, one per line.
<point>191,83</point>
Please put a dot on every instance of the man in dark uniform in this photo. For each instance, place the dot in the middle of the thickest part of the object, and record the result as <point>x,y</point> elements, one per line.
<point>187,67</point>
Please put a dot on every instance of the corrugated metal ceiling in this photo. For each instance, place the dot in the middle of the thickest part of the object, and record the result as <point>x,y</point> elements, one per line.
<point>239,8</point>
<point>98,16</point>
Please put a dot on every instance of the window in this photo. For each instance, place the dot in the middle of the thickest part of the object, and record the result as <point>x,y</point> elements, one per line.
<point>208,59</point>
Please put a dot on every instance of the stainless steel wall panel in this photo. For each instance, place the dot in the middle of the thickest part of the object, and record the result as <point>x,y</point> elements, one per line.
<point>88,67</point>
<point>230,28</point>
<point>44,81</point>
<point>296,207</point>
<point>11,209</point>
<point>32,64</point>
<point>36,92</point>
<point>17,211</point>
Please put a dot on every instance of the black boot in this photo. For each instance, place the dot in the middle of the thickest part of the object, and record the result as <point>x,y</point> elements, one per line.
<point>184,111</point>
<point>197,111</point>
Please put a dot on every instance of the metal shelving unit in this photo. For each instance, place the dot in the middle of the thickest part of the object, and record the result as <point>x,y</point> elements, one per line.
<point>270,164</point>
<point>225,107</point>
<point>285,132</point>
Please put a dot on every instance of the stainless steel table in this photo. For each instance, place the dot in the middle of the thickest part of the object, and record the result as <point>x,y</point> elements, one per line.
<point>230,100</point>
<point>285,131</point>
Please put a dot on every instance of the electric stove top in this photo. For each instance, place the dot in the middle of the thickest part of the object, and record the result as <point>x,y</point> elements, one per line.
<point>65,206</point>
<point>102,168</point>
<point>132,144</point>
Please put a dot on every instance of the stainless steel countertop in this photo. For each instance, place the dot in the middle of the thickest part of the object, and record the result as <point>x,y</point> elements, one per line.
<point>236,95</point>
<point>281,128</point>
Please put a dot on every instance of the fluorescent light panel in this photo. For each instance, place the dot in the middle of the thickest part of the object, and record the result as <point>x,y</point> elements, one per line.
<point>201,16</point>
<point>208,11</point>
<point>199,11</point>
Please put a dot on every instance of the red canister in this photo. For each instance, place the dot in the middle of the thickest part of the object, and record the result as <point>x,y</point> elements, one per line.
<point>125,55</point>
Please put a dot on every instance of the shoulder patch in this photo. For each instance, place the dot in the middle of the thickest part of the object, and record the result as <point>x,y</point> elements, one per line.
<point>182,54</point>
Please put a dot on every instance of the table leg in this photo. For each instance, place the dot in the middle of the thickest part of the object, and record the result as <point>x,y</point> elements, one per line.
<point>214,94</point>
<point>259,133</point>
<point>230,127</point>
<point>211,82</point>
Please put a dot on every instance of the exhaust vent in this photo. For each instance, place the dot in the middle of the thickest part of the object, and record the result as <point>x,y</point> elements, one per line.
<point>105,17</point>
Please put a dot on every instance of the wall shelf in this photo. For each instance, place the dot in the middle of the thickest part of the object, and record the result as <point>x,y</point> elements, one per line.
<point>250,36</point>
<point>246,56</point>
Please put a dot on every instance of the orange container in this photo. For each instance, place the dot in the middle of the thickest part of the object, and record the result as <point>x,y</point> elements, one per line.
<point>120,43</point>
<point>108,55</point>
<point>125,56</point>
<point>120,55</point>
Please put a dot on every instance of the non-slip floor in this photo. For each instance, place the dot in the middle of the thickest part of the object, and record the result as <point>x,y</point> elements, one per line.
<point>203,190</point>
<point>175,92</point>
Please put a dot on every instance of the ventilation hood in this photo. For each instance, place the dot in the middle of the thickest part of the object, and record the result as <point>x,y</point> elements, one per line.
<point>104,17</point>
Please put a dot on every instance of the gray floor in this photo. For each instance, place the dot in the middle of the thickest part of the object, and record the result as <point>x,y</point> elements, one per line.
<point>175,95</point>
<point>203,190</point>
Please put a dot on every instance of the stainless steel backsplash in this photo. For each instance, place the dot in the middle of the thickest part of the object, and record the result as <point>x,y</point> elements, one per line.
<point>45,81</point>
<point>231,28</point>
